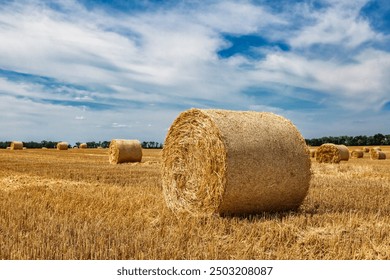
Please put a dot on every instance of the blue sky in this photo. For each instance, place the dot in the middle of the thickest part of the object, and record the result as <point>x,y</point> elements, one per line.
<point>96,70</point>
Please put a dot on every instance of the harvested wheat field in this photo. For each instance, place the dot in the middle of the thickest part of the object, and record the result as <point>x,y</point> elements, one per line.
<point>74,204</point>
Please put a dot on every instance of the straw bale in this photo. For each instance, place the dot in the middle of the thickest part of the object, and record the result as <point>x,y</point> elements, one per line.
<point>83,146</point>
<point>233,162</point>
<point>331,153</point>
<point>366,149</point>
<point>62,146</point>
<point>377,154</point>
<point>122,150</point>
<point>357,154</point>
<point>16,145</point>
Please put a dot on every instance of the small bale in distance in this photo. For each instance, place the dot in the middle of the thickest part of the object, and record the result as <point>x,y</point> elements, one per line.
<point>313,153</point>
<point>83,146</point>
<point>377,154</point>
<point>366,149</point>
<point>16,145</point>
<point>357,154</point>
<point>62,146</point>
<point>332,153</point>
<point>122,150</point>
<point>234,162</point>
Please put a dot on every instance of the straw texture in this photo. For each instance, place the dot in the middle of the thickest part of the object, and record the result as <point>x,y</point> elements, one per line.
<point>83,146</point>
<point>233,162</point>
<point>377,154</point>
<point>16,145</point>
<point>331,153</point>
<point>122,150</point>
<point>357,154</point>
<point>62,146</point>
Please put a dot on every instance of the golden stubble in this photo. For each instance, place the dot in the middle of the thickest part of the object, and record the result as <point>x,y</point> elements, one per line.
<point>75,205</point>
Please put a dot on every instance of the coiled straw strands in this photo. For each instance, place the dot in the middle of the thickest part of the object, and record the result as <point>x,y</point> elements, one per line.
<point>121,150</point>
<point>62,146</point>
<point>16,145</point>
<point>357,153</point>
<point>331,153</point>
<point>377,154</point>
<point>233,162</point>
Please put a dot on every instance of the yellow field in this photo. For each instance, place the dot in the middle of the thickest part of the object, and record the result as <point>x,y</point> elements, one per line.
<point>74,205</point>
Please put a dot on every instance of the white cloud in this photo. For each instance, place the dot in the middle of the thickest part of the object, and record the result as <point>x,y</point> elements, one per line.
<point>169,58</point>
<point>339,25</point>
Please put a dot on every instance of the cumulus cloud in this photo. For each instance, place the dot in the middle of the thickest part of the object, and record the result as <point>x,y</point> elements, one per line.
<point>135,71</point>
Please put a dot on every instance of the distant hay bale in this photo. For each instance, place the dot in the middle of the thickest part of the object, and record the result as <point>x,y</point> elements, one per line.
<point>16,145</point>
<point>377,154</point>
<point>62,146</point>
<point>366,149</point>
<point>233,162</point>
<point>313,153</point>
<point>83,146</point>
<point>121,150</point>
<point>357,154</point>
<point>331,153</point>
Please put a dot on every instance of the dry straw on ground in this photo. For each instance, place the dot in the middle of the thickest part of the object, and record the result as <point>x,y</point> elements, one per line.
<point>122,150</point>
<point>16,145</point>
<point>62,146</point>
<point>377,154</point>
<point>357,154</point>
<point>232,162</point>
<point>331,153</point>
<point>83,146</point>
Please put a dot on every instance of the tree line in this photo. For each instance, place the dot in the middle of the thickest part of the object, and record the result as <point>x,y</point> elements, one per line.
<point>361,140</point>
<point>92,144</point>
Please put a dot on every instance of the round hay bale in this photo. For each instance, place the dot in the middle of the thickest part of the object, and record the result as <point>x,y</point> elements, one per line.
<point>331,153</point>
<point>233,162</point>
<point>83,146</point>
<point>16,145</point>
<point>121,150</point>
<point>62,146</point>
<point>377,154</point>
<point>366,149</point>
<point>357,154</point>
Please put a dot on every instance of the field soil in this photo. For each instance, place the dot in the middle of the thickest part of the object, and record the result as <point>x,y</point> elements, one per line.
<point>74,205</point>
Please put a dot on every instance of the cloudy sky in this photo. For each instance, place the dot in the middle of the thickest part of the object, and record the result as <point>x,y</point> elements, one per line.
<point>98,70</point>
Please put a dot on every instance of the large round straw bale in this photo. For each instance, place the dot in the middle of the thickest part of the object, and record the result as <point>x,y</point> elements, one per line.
<point>122,150</point>
<point>62,146</point>
<point>233,162</point>
<point>16,145</point>
<point>357,153</point>
<point>331,153</point>
<point>377,154</point>
<point>83,146</point>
